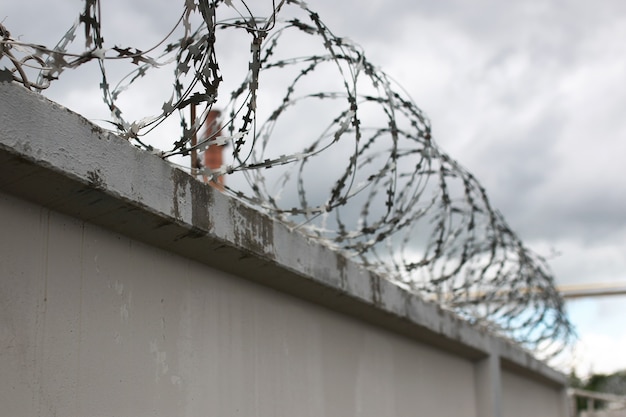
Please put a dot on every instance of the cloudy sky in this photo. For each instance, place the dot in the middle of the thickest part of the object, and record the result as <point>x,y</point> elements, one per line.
<point>528,95</point>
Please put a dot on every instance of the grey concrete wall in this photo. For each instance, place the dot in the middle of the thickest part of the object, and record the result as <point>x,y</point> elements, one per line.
<point>129,288</point>
<point>95,323</point>
<point>522,396</point>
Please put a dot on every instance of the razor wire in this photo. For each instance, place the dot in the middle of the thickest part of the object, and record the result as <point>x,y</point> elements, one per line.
<point>324,141</point>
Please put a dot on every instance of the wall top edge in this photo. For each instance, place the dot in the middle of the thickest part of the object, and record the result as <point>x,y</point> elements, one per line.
<point>56,158</point>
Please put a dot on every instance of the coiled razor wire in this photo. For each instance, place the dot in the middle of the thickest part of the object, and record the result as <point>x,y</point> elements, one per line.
<point>324,141</point>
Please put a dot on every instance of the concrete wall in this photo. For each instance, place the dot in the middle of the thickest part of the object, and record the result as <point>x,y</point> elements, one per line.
<point>95,323</point>
<point>129,288</point>
<point>523,396</point>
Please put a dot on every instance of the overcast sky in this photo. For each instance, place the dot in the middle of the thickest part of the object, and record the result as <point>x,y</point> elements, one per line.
<point>528,95</point>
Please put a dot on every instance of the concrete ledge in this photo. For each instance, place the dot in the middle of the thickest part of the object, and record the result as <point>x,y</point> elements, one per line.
<point>56,158</point>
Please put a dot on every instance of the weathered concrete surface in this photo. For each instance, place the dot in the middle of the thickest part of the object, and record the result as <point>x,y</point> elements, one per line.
<point>94,323</point>
<point>62,163</point>
<point>522,397</point>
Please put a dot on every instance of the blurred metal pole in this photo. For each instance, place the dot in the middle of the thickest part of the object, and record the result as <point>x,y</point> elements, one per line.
<point>194,142</point>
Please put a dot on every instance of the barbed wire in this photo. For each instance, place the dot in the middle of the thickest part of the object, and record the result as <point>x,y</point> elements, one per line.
<point>332,147</point>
